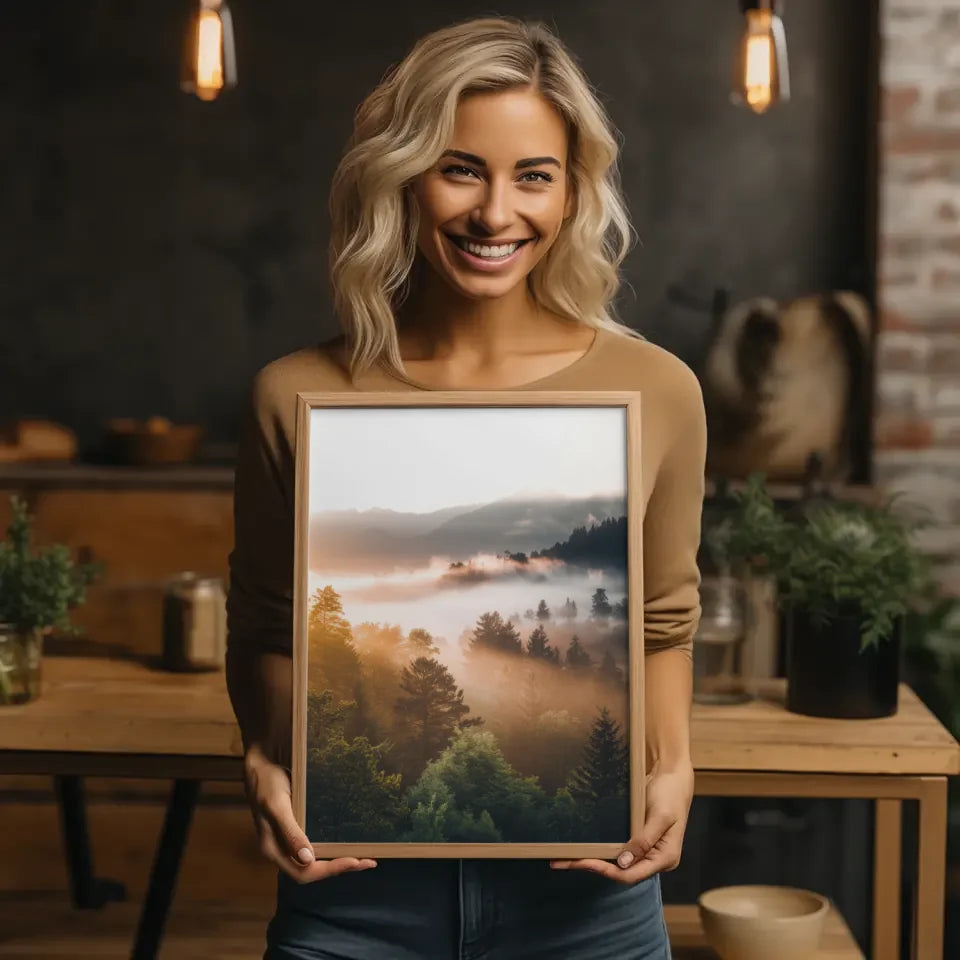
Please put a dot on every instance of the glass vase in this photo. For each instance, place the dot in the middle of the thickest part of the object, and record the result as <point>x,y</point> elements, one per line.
<point>20,659</point>
<point>719,674</point>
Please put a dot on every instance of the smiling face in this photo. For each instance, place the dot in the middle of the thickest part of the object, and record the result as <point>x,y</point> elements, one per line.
<point>495,201</point>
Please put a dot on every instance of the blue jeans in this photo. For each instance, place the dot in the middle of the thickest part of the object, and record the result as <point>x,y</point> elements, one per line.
<point>467,910</point>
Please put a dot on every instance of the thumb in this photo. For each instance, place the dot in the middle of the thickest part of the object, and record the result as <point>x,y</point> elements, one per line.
<point>640,846</point>
<point>290,837</point>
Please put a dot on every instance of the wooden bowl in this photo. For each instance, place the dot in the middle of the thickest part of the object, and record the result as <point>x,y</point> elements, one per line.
<point>756,922</point>
<point>153,441</point>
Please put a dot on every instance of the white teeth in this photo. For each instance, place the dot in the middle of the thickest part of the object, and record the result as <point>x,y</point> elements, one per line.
<point>480,250</point>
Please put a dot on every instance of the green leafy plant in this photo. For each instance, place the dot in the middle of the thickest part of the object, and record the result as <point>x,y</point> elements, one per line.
<point>829,557</point>
<point>39,587</point>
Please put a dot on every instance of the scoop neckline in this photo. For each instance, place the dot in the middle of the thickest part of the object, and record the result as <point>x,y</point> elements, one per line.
<point>586,356</point>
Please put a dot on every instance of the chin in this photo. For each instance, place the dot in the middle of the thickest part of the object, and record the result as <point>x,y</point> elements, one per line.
<point>492,289</point>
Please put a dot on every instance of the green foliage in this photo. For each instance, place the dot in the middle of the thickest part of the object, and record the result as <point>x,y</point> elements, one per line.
<point>333,660</point>
<point>471,788</point>
<point>430,710</point>
<point>437,820</point>
<point>549,746</point>
<point>391,756</point>
<point>600,607</point>
<point>39,588</point>
<point>829,558</point>
<point>493,633</point>
<point>421,643</point>
<point>600,784</point>
<point>538,646</point>
<point>609,670</point>
<point>603,544</point>
<point>350,796</point>
<point>577,657</point>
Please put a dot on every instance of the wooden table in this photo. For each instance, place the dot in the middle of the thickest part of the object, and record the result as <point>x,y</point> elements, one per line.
<point>100,717</point>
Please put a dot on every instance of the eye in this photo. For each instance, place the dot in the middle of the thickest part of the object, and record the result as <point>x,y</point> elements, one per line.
<point>541,175</point>
<point>458,169</point>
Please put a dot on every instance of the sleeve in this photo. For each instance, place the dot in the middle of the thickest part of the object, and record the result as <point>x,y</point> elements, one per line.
<point>260,595</point>
<point>671,526</point>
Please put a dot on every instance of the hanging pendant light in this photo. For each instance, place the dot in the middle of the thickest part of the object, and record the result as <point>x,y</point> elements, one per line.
<point>761,76</point>
<point>210,59</point>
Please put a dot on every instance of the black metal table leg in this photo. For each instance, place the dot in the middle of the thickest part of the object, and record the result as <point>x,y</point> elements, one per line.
<point>86,891</point>
<point>166,864</point>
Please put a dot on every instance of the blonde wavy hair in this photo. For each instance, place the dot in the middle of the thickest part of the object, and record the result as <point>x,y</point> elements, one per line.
<point>403,127</point>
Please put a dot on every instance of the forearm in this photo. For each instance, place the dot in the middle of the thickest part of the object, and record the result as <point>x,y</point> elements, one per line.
<point>261,693</point>
<point>668,689</point>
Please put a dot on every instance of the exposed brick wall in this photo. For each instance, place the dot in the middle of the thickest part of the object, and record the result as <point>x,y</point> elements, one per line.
<point>918,351</point>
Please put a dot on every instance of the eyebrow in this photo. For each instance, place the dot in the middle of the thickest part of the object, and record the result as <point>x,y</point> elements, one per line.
<point>519,165</point>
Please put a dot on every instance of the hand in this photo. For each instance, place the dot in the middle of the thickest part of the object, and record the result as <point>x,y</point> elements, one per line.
<point>267,786</point>
<point>669,795</point>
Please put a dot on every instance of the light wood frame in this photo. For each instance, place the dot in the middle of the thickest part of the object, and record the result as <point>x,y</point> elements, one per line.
<point>630,401</point>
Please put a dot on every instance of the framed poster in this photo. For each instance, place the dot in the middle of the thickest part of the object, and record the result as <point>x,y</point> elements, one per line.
<point>468,624</point>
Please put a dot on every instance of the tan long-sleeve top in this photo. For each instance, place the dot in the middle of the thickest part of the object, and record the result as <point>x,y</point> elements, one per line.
<point>673,448</point>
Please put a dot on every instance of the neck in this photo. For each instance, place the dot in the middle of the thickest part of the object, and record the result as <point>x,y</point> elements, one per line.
<point>438,324</point>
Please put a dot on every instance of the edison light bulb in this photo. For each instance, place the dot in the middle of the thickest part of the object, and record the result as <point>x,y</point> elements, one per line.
<point>209,55</point>
<point>761,73</point>
<point>210,64</point>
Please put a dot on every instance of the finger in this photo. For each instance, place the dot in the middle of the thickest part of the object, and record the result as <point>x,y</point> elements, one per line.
<point>665,858</point>
<point>653,831</point>
<point>309,873</point>
<point>640,871</point>
<point>290,837</point>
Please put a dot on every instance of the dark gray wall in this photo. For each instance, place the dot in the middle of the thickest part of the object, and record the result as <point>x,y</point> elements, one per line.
<point>156,250</point>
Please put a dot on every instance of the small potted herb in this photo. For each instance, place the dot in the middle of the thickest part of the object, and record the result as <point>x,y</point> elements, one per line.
<point>38,588</point>
<point>847,574</point>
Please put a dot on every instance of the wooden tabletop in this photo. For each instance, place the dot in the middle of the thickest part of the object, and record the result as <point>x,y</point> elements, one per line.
<point>100,715</point>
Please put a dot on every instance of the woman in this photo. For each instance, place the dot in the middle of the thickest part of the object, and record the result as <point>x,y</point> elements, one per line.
<point>477,233</point>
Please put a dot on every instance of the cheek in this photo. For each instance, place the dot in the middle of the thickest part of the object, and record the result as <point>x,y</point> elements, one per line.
<point>546,217</point>
<point>438,203</point>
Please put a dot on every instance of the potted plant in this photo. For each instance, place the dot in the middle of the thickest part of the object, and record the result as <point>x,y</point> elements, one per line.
<point>38,588</point>
<point>847,573</point>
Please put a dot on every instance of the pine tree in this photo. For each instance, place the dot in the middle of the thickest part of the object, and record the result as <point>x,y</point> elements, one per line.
<point>577,658</point>
<point>569,610</point>
<point>604,773</point>
<point>333,663</point>
<point>531,704</point>
<point>600,607</point>
<point>609,670</point>
<point>543,611</point>
<point>538,646</point>
<point>492,632</point>
<point>421,643</point>
<point>430,710</point>
<point>326,615</point>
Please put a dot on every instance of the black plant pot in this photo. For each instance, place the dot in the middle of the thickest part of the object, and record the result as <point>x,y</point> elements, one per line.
<point>828,675</point>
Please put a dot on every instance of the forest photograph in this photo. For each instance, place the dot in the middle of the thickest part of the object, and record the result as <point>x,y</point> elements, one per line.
<point>467,654</point>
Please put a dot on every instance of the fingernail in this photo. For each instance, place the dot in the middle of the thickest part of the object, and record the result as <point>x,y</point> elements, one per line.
<point>305,855</point>
<point>625,859</point>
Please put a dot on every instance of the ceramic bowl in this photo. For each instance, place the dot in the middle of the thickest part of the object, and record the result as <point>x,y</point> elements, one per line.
<point>757,922</point>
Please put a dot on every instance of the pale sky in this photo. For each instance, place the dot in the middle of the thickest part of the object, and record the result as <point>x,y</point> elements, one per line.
<point>417,459</point>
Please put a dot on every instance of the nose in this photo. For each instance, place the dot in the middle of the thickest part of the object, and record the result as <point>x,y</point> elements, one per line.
<point>493,214</point>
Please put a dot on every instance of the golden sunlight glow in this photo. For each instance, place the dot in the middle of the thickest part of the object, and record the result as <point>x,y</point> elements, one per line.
<point>209,55</point>
<point>758,60</point>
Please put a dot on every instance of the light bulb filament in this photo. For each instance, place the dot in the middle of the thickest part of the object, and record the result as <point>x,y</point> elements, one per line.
<point>209,55</point>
